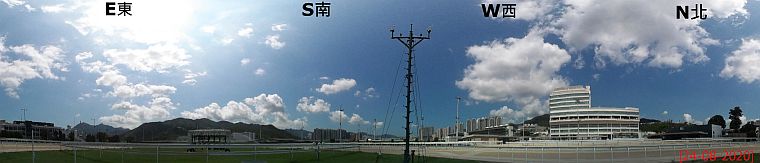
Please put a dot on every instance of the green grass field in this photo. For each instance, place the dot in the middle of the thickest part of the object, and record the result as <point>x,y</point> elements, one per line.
<point>95,156</point>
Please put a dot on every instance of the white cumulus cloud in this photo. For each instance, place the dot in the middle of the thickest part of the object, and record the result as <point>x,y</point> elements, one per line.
<point>356,119</point>
<point>138,90</point>
<point>233,111</point>
<point>282,120</point>
<point>111,78</point>
<point>245,32</point>
<point>160,58</point>
<point>274,42</point>
<point>262,109</point>
<point>227,40</point>
<point>514,68</point>
<point>14,3</point>
<point>689,119</point>
<point>639,32</point>
<point>744,63</point>
<point>531,108</point>
<point>378,124</point>
<point>31,63</point>
<point>82,56</point>
<point>521,70</point>
<point>53,8</point>
<point>338,116</point>
<point>367,94</point>
<point>260,72</point>
<point>245,61</point>
<point>279,27</point>
<point>156,110</point>
<point>265,103</point>
<point>339,85</point>
<point>190,77</point>
<point>130,94</point>
<point>312,105</point>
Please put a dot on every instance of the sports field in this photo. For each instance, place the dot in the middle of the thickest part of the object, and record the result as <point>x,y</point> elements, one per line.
<point>534,151</point>
<point>144,155</point>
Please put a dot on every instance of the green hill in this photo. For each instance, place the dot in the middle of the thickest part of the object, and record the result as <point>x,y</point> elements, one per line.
<point>172,129</point>
<point>541,120</point>
<point>84,128</point>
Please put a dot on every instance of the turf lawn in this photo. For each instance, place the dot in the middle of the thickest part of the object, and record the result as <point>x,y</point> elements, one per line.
<point>174,155</point>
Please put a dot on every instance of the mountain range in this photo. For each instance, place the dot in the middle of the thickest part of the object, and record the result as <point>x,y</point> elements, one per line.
<point>541,120</point>
<point>170,130</point>
<point>87,129</point>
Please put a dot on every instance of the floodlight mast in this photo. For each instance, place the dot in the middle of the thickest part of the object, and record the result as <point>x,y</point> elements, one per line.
<point>410,42</point>
<point>340,123</point>
<point>456,125</point>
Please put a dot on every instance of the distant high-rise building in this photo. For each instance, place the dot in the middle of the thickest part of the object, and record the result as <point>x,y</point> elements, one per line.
<point>572,117</point>
<point>329,135</point>
<point>470,125</point>
<point>482,123</point>
<point>443,132</point>
<point>426,133</point>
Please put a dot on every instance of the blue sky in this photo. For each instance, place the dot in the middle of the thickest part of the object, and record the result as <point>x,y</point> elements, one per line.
<point>263,62</point>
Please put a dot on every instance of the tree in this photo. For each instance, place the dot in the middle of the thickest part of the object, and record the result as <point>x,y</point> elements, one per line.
<point>71,136</point>
<point>44,134</point>
<point>89,138</point>
<point>114,138</point>
<point>61,136</point>
<point>735,114</point>
<point>717,120</point>
<point>101,137</point>
<point>749,129</point>
<point>659,127</point>
<point>129,139</point>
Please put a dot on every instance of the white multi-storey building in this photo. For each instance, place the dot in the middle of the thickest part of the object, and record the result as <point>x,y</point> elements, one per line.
<point>482,123</point>
<point>572,117</point>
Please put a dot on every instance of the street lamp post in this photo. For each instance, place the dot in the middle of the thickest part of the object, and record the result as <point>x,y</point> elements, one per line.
<point>374,129</point>
<point>23,117</point>
<point>456,126</point>
<point>340,123</point>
